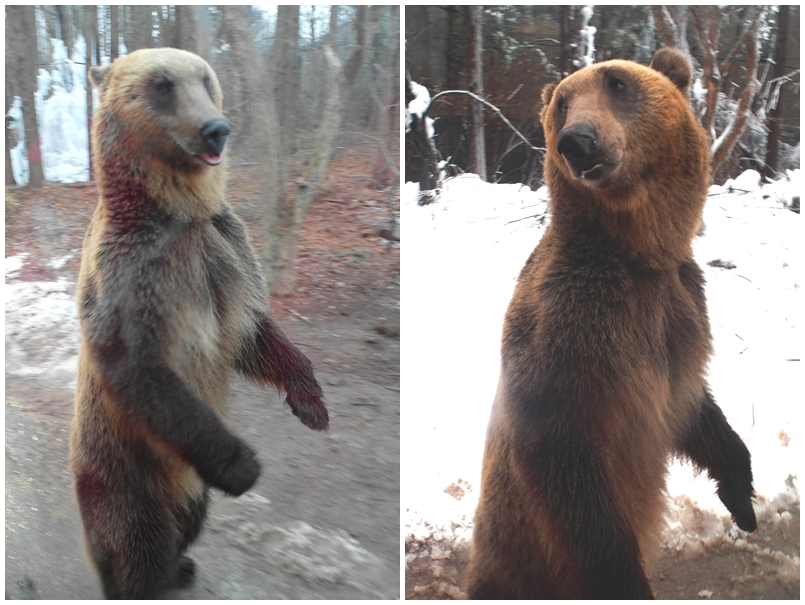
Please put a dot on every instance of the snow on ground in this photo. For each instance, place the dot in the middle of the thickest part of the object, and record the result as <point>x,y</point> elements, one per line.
<point>42,331</point>
<point>459,274</point>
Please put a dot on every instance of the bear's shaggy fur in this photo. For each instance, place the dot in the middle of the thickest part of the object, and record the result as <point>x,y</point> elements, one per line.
<point>171,300</point>
<point>604,348</point>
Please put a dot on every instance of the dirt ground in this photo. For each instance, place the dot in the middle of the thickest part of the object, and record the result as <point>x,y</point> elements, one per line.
<point>760,565</point>
<point>323,521</point>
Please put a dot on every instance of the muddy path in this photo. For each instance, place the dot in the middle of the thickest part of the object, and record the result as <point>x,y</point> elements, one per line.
<point>323,520</point>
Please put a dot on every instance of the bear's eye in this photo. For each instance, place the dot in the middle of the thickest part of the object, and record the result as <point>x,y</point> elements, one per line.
<point>616,84</point>
<point>561,105</point>
<point>163,87</point>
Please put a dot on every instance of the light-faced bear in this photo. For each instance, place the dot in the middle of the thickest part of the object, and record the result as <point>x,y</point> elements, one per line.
<point>171,301</point>
<point>604,348</point>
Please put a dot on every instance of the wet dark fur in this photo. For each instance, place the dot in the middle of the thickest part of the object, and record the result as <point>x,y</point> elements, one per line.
<point>171,300</point>
<point>604,350</point>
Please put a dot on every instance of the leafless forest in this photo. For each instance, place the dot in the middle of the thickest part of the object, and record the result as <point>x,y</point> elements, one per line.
<point>746,58</point>
<point>298,82</point>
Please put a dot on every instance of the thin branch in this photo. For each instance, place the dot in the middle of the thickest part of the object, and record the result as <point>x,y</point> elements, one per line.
<point>490,106</point>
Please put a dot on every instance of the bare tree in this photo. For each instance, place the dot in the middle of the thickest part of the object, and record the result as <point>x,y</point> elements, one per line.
<point>772,148</point>
<point>187,29</point>
<point>708,22</point>
<point>665,25</point>
<point>285,73</point>
<point>673,32</point>
<point>477,139</point>
<point>10,142</point>
<point>66,28</point>
<point>88,65</point>
<point>261,110</point>
<point>285,211</point>
<point>91,12</point>
<point>340,84</point>
<point>569,34</point>
<point>166,32</point>
<point>332,33</point>
<point>115,35</point>
<point>139,28</point>
<point>722,147</point>
<point>386,96</point>
<point>205,31</point>
<point>22,70</point>
<point>682,28</point>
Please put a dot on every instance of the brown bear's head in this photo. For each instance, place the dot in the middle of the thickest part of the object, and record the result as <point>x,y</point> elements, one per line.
<point>613,125</point>
<point>162,104</point>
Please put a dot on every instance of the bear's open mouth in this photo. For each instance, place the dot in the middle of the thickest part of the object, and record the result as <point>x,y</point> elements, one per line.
<point>593,173</point>
<point>213,159</point>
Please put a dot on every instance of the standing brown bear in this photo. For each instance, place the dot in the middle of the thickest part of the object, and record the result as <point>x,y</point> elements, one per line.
<point>604,348</point>
<point>171,300</point>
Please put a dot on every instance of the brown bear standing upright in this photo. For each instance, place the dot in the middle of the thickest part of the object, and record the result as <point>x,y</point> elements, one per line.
<point>171,300</point>
<point>604,348</point>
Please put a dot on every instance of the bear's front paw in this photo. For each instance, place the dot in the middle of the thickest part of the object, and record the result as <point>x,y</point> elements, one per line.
<point>740,506</point>
<point>240,473</point>
<point>307,405</point>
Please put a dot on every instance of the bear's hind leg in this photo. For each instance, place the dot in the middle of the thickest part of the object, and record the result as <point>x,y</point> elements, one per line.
<point>191,519</point>
<point>135,569</point>
<point>132,538</point>
<point>712,444</point>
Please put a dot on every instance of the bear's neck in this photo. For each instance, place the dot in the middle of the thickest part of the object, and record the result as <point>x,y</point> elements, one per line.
<point>652,226</point>
<point>134,187</point>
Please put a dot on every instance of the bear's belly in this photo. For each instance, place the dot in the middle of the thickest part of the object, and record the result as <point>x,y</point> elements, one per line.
<point>199,354</point>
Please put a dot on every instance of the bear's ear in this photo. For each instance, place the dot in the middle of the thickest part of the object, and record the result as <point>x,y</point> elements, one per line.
<point>100,76</point>
<point>547,95</point>
<point>674,65</point>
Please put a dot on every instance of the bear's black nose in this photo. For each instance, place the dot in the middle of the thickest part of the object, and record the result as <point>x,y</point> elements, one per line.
<point>214,132</point>
<point>578,144</point>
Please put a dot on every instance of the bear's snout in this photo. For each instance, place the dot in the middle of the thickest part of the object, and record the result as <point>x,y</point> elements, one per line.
<point>214,133</point>
<point>578,145</point>
<point>583,153</point>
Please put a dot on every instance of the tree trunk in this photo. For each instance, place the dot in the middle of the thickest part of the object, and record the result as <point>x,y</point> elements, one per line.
<point>454,55</point>
<point>10,143</point>
<point>188,33</point>
<point>341,83</point>
<point>723,146</point>
<point>477,138</point>
<point>114,17</point>
<point>569,36</point>
<point>204,32</point>
<point>66,29</point>
<point>285,73</point>
<point>665,26</point>
<point>21,42</point>
<point>259,99</point>
<point>93,24</point>
<point>682,29</point>
<point>386,97</point>
<point>332,33</point>
<point>139,34</point>
<point>88,65</point>
<point>708,33</point>
<point>773,145</point>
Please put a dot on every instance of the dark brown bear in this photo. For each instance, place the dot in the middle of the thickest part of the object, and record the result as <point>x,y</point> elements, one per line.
<point>171,300</point>
<point>604,348</point>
